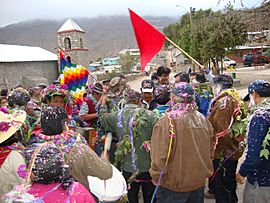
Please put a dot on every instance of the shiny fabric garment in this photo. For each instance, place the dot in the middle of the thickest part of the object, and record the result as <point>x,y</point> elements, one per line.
<point>220,116</point>
<point>190,161</point>
<point>76,193</point>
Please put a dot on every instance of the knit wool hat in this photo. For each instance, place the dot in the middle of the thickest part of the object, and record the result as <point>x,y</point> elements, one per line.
<point>19,97</point>
<point>225,81</point>
<point>133,95</point>
<point>183,90</point>
<point>97,88</point>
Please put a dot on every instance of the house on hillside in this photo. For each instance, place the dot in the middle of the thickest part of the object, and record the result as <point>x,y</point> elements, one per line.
<point>257,42</point>
<point>131,52</point>
<point>26,65</point>
<point>110,61</point>
<point>239,51</point>
<point>258,36</point>
<point>95,66</point>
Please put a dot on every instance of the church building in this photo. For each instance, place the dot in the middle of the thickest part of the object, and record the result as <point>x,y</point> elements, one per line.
<point>71,38</point>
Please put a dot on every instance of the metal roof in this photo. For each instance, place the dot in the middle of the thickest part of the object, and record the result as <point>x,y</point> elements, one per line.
<point>17,53</point>
<point>70,25</point>
<point>252,47</point>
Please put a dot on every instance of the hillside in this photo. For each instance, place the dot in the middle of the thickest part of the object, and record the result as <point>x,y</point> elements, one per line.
<point>105,36</point>
<point>257,18</point>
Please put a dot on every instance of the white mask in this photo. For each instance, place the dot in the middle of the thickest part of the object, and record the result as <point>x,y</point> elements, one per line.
<point>252,100</point>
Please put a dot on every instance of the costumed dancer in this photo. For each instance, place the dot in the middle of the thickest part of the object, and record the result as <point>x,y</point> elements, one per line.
<point>181,150</point>
<point>133,127</point>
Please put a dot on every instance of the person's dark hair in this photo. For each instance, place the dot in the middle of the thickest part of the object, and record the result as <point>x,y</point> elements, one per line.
<point>163,70</point>
<point>42,86</point>
<point>49,166</point>
<point>9,141</point>
<point>161,95</point>
<point>2,98</point>
<point>133,96</point>
<point>56,82</point>
<point>200,78</point>
<point>4,93</point>
<point>184,77</point>
<point>263,93</point>
<point>105,81</point>
<point>53,120</point>
<point>154,76</point>
<point>19,97</point>
<point>32,91</point>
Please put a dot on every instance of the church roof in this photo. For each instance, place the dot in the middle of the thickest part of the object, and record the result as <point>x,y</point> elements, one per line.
<point>70,25</point>
<point>17,53</point>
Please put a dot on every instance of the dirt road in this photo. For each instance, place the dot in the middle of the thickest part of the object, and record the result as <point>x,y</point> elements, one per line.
<point>246,75</point>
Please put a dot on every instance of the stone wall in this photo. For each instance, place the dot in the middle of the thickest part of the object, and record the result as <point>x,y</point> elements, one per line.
<point>27,73</point>
<point>81,57</point>
<point>80,53</point>
<point>74,39</point>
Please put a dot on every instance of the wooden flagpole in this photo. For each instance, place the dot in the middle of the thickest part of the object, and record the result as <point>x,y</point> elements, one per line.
<point>196,62</point>
<point>77,62</point>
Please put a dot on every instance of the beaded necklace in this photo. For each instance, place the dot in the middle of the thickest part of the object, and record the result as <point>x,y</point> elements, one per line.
<point>178,108</point>
<point>182,106</point>
<point>64,141</point>
<point>17,146</point>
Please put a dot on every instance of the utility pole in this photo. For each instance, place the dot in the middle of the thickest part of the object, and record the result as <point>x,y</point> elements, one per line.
<point>191,31</point>
<point>190,15</point>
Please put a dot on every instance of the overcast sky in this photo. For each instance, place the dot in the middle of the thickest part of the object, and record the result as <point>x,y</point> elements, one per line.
<point>12,11</point>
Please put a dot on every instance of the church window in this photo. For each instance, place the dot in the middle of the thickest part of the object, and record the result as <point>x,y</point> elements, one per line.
<point>67,43</point>
<point>81,43</point>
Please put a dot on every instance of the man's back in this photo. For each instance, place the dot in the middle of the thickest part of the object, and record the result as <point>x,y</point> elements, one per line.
<point>144,121</point>
<point>190,161</point>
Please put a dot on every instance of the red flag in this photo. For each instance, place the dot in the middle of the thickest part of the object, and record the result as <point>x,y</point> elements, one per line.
<point>61,54</point>
<point>149,39</point>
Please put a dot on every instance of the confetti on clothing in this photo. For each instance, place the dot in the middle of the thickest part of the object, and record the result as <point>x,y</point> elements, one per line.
<point>256,166</point>
<point>64,141</point>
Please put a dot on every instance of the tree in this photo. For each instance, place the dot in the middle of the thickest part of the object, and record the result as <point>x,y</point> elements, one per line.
<point>127,62</point>
<point>209,35</point>
<point>267,53</point>
<point>99,59</point>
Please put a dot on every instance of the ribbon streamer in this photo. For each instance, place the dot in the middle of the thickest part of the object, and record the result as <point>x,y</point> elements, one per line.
<point>133,158</point>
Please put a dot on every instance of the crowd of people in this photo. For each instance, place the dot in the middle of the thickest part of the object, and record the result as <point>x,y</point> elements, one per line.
<point>176,141</point>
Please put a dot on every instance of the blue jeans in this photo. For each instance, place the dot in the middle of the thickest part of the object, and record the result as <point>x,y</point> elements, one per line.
<point>167,196</point>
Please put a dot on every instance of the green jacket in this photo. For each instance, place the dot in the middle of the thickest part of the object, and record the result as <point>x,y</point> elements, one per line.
<point>142,133</point>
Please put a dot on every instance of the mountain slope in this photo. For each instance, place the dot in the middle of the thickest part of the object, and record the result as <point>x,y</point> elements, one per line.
<point>105,36</point>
